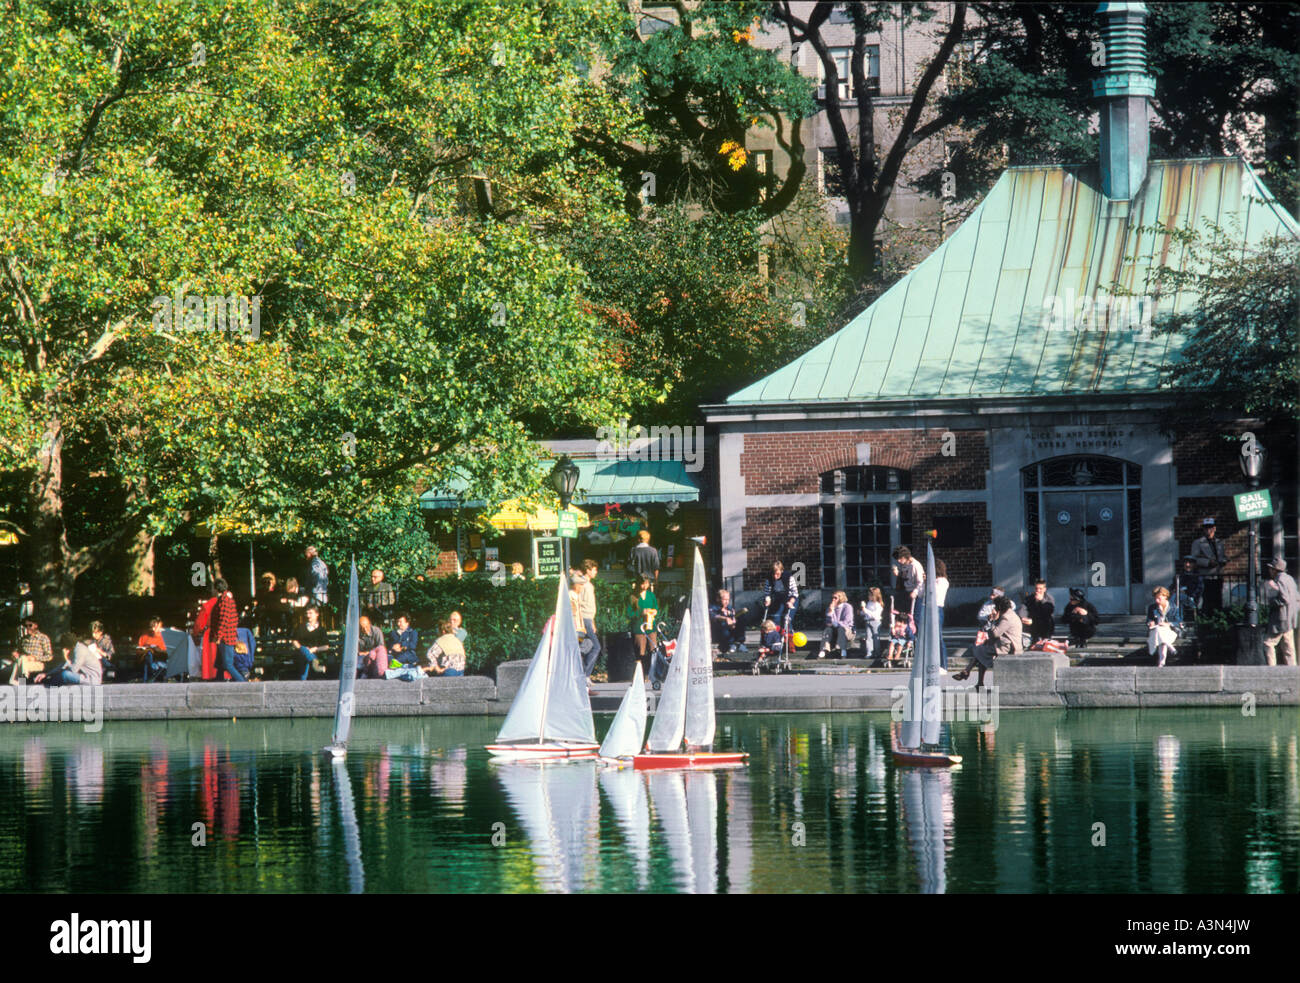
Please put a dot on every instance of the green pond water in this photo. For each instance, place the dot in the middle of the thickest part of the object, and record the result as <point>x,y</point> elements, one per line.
<point>1190,800</point>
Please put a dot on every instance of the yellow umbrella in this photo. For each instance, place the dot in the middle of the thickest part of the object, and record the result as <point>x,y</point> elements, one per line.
<point>515,514</point>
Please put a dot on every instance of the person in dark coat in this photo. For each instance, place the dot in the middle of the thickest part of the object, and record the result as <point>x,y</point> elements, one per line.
<point>1039,612</point>
<point>1081,618</point>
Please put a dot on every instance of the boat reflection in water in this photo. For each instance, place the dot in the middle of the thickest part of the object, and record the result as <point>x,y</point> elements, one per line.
<point>351,832</point>
<point>927,813</point>
<point>559,808</point>
<point>625,790</point>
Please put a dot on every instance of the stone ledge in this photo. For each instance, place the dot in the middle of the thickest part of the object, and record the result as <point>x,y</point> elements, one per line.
<point>1185,699</point>
<point>229,696</point>
<point>1096,679</point>
<point>1262,679</point>
<point>1179,679</point>
<point>1092,699</point>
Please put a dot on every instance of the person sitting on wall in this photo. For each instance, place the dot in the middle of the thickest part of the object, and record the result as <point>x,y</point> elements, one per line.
<point>446,656</point>
<point>727,630</point>
<point>1038,612</point>
<point>1163,626</point>
<point>1081,618</point>
<point>311,642</point>
<point>404,641</point>
<point>152,649</point>
<point>34,653</point>
<point>873,610</point>
<point>372,655</point>
<point>1005,638</point>
<point>82,664</point>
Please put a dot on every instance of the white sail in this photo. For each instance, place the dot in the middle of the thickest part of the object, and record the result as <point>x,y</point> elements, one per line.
<point>931,720</point>
<point>670,713</point>
<point>524,721</point>
<point>702,813</point>
<point>924,655</point>
<point>668,796</point>
<point>552,702</point>
<point>627,733</point>
<point>348,665</point>
<point>626,792</point>
<point>568,707</point>
<point>700,723</point>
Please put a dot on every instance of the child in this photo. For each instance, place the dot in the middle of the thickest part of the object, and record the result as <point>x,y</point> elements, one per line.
<point>902,635</point>
<point>770,642</point>
<point>873,609</point>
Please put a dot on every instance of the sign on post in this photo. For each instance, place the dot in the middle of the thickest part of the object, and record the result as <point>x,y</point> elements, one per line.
<point>568,528</point>
<point>1253,505</point>
<point>547,557</point>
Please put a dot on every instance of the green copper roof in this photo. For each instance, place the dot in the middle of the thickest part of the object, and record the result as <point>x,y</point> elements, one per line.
<point>975,317</point>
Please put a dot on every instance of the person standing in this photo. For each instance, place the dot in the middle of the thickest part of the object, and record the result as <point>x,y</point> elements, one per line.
<point>379,599</point>
<point>1281,600</point>
<point>1039,612</point>
<point>909,578</point>
<point>1209,556</point>
<point>642,610</point>
<point>839,626</point>
<point>225,631</point>
<point>204,635</point>
<point>873,610</point>
<point>318,580</point>
<point>643,560</point>
<point>1081,618</point>
<point>582,580</point>
<point>778,592</point>
<point>1163,626</point>
<point>457,626</point>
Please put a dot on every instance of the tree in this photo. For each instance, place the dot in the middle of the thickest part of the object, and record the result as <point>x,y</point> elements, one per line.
<point>1239,351</point>
<point>868,168</point>
<point>699,86</point>
<point>375,184</point>
<point>1224,85</point>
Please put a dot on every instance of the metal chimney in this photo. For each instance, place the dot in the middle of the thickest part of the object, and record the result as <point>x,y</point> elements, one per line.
<point>1123,89</point>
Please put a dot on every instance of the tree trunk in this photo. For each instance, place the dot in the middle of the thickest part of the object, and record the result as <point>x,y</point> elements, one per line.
<point>862,245</point>
<point>214,559</point>
<point>140,572</point>
<point>52,581</point>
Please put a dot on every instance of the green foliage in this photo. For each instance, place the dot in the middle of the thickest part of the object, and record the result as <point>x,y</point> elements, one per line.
<point>1024,95</point>
<point>1239,353</point>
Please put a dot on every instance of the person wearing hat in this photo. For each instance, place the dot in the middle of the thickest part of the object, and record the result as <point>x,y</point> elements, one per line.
<point>1081,618</point>
<point>1281,600</point>
<point>1209,557</point>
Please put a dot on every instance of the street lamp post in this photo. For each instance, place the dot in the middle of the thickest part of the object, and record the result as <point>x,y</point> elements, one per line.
<point>564,479</point>
<point>1252,466</point>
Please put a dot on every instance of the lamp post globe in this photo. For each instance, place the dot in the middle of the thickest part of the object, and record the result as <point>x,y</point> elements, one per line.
<point>564,480</point>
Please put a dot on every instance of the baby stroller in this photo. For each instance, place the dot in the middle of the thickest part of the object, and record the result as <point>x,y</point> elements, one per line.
<point>774,650</point>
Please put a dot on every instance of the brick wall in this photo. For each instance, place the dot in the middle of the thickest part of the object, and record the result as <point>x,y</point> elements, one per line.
<point>1206,458</point>
<point>792,463</point>
<point>1233,534</point>
<point>967,566</point>
<point>791,535</point>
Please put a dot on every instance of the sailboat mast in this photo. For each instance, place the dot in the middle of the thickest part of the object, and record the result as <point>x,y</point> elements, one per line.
<point>550,662</point>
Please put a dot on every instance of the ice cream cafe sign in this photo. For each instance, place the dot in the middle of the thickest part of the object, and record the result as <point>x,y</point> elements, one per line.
<point>1253,505</point>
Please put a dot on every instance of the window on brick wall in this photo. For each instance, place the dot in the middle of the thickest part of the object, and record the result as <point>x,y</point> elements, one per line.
<point>865,513</point>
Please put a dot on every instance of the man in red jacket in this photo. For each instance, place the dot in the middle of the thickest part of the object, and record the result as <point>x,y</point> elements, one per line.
<point>225,624</point>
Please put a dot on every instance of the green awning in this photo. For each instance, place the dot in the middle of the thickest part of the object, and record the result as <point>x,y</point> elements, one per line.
<point>600,482</point>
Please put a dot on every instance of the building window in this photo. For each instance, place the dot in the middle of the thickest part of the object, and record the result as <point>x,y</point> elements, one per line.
<point>830,176</point>
<point>653,24</point>
<point>843,59</point>
<point>866,511</point>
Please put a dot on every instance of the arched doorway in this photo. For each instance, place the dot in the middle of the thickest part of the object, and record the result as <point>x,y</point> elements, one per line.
<point>1084,520</point>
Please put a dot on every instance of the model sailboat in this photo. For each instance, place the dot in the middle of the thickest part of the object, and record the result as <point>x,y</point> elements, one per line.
<point>685,712</point>
<point>625,734</point>
<point>551,714</point>
<point>917,743</point>
<point>338,747</point>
